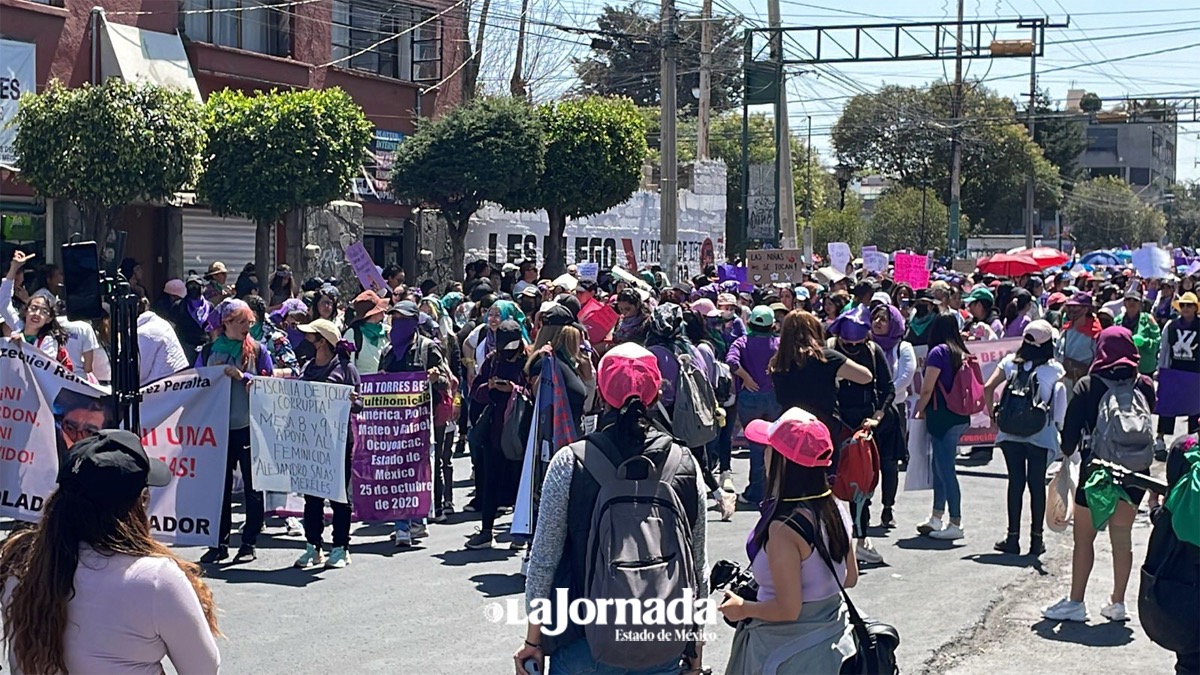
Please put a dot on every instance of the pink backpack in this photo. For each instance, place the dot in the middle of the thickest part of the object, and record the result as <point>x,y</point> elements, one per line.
<point>965,396</point>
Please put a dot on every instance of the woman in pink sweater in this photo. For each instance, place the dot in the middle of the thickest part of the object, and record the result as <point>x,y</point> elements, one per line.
<point>88,590</point>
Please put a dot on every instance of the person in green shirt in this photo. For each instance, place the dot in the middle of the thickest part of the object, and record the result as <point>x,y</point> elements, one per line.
<point>1146,334</point>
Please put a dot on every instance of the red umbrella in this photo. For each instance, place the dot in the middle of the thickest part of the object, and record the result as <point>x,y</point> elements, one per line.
<point>1045,256</point>
<point>1009,265</point>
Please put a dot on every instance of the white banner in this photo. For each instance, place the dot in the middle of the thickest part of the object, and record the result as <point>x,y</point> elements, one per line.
<point>298,436</point>
<point>18,75</point>
<point>185,423</point>
<point>44,410</point>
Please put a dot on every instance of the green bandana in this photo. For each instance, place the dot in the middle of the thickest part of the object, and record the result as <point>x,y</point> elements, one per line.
<point>31,339</point>
<point>258,330</point>
<point>373,332</point>
<point>230,348</point>
<point>918,325</point>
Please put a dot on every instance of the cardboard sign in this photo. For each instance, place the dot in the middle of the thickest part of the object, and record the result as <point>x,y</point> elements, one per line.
<point>589,270</point>
<point>910,269</point>
<point>874,261</point>
<point>839,255</point>
<point>364,268</point>
<point>599,318</point>
<point>298,435</point>
<point>776,265</point>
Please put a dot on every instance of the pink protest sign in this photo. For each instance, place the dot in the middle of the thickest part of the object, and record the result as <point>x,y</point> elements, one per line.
<point>911,270</point>
<point>364,268</point>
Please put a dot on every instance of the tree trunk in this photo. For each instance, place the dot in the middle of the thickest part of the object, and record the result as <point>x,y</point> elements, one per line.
<point>264,266</point>
<point>556,260</point>
<point>458,245</point>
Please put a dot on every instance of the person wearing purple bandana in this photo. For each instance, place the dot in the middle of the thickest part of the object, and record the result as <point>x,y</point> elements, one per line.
<point>408,351</point>
<point>190,317</point>
<point>887,330</point>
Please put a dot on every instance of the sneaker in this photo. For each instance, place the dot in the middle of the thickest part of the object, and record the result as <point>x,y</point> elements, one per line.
<point>931,525</point>
<point>294,527</point>
<point>310,558</point>
<point>339,557</point>
<point>1008,545</point>
<point>518,544</point>
<point>402,538</point>
<point>726,481</point>
<point>743,499</point>
<point>888,519</point>
<point>246,553</point>
<point>215,555</point>
<point>1160,449</point>
<point>866,553</point>
<point>439,517</point>
<point>448,508</point>
<point>728,504</point>
<point>1066,610</point>
<point>471,507</point>
<point>480,540</point>
<point>525,564</point>
<point>949,533</point>
<point>418,531</point>
<point>1036,546</point>
<point>1114,611</point>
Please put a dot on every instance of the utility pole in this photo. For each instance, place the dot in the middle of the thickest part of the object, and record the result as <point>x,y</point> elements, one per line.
<point>808,205</point>
<point>956,106</point>
<point>1031,119</point>
<point>786,191</point>
<point>702,114</point>
<point>669,183</point>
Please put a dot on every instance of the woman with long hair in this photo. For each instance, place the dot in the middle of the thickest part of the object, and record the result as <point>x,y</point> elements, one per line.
<point>560,333</point>
<point>947,353</point>
<point>887,331</point>
<point>283,357</point>
<point>634,315</point>
<point>1026,454</point>
<point>243,358</point>
<point>499,312</point>
<point>798,594</point>
<point>806,373</point>
<point>1018,313</point>
<point>38,325</point>
<point>88,589</point>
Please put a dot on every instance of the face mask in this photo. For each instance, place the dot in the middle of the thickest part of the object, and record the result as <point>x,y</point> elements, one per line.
<point>726,314</point>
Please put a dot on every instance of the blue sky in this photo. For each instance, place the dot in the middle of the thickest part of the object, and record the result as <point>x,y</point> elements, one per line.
<point>1100,30</point>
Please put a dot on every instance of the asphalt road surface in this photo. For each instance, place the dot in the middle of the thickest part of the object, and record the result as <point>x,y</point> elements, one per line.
<point>959,606</point>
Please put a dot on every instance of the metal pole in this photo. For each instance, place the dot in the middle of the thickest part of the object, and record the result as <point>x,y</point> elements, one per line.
<point>808,205</point>
<point>956,105</point>
<point>924,199</point>
<point>785,194</point>
<point>702,112</point>
<point>669,184</point>
<point>1030,185</point>
<point>747,52</point>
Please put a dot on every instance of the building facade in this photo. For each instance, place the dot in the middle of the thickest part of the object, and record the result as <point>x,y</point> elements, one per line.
<point>398,60</point>
<point>1134,141</point>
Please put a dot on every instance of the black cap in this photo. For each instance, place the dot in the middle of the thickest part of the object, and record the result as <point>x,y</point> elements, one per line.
<point>111,468</point>
<point>925,294</point>
<point>404,308</point>
<point>683,287</point>
<point>557,315</point>
<point>570,302</point>
<point>508,335</point>
<point>864,288</point>
<point>1134,294</point>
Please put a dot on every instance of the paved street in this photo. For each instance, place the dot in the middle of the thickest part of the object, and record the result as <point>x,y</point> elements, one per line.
<point>960,607</point>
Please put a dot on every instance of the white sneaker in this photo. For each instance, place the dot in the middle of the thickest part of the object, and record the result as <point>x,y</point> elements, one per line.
<point>726,481</point>
<point>1066,610</point>
<point>866,553</point>
<point>1114,611</point>
<point>294,527</point>
<point>949,533</point>
<point>728,503</point>
<point>525,564</point>
<point>931,525</point>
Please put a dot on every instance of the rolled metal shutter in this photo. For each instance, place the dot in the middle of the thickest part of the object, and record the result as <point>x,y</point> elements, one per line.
<point>208,238</point>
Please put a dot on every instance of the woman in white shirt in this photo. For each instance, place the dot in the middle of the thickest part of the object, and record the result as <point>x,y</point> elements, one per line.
<point>887,330</point>
<point>1029,418</point>
<point>89,590</point>
<point>38,324</point>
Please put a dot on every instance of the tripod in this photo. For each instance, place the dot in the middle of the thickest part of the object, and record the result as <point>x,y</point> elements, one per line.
<point>123,345</point>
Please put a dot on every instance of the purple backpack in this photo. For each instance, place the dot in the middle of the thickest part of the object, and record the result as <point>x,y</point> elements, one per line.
<point>965,396</point>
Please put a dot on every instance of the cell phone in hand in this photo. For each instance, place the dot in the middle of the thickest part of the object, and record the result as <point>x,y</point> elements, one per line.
<point>531,666</point>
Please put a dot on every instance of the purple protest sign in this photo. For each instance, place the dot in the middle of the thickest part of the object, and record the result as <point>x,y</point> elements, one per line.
<point>392,472</point>
<point>364,268</point>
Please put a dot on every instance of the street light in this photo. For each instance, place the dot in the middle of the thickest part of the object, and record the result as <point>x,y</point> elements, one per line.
<point>843,173</point>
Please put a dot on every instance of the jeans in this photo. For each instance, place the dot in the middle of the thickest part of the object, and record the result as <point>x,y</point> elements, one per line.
<point>314,512</point>
<point>756,405</point>
<point>1026,467</point>
<point>889,477</point>
<point>1166,425</point>
<point>720,448</point>
<point>576,659</point>
<point>404,526</point>
<point>239,455</point>
<point>443,469</point>
<point>945,479</point>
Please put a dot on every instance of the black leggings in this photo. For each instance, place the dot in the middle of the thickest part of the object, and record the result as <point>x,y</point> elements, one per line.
<point>443,468</point>
<point>1166,425</point>
<point>1026,468</point>
<point>314,512</point>
<point>239,455</point>
<point>701,456</point>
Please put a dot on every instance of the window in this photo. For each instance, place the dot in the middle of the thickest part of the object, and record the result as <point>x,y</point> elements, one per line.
<point>252,25</point>
<point>1139,175</point>
<point>403,42</point>
<point>1101,140</point>
<point>1114,171</point>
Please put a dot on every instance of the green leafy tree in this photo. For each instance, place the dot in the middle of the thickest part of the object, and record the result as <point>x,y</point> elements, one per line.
<point>1090,103</point>
<point>909,218</point>
<point>595,147</point>
<point>104,146</point>
<point>631,67</point>
<point>1183,217</point>
<point>834,224</point>
<point>271,153</point>
<point>478,152</point>
<point>1105,212</point>
<point>903,133</point>
<point>1061,138</point>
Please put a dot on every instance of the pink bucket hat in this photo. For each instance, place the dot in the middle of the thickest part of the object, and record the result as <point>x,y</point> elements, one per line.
<point>797,435</point>
<point>628,370</point>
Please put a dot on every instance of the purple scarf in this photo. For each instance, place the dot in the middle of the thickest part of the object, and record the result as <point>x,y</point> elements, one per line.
<point>198,309</point>
<point>404,329</point>
<point>894,335</point>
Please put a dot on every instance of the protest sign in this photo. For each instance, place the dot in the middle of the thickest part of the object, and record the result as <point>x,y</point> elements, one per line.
<point>1152,262</point>
<point>874,261</point>
<point>185,423</point>
<point>839,255</point>
<point>364,268</point>
<point>298,435</point>
<point>598,318</point>
<point>589,270</point>
<point>990,353</point>
<point>392,465</point>
<point>782,265</point>
<point>910,269</point>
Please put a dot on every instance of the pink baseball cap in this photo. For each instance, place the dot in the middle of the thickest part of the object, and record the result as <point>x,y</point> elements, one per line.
<point>705,307</point>
<point>797,435</point>
<point>175,287</point>
<point>628,370</point>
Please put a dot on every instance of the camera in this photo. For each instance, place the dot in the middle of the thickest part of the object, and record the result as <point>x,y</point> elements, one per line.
<point>727,574</point>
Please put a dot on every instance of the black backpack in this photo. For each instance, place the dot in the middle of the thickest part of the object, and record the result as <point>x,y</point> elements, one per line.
<point>1170,585</point>
<point>1022,412</point>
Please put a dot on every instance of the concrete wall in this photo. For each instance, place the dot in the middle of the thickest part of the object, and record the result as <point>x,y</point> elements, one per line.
<point>606,238</point>
<point>324,235</point>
